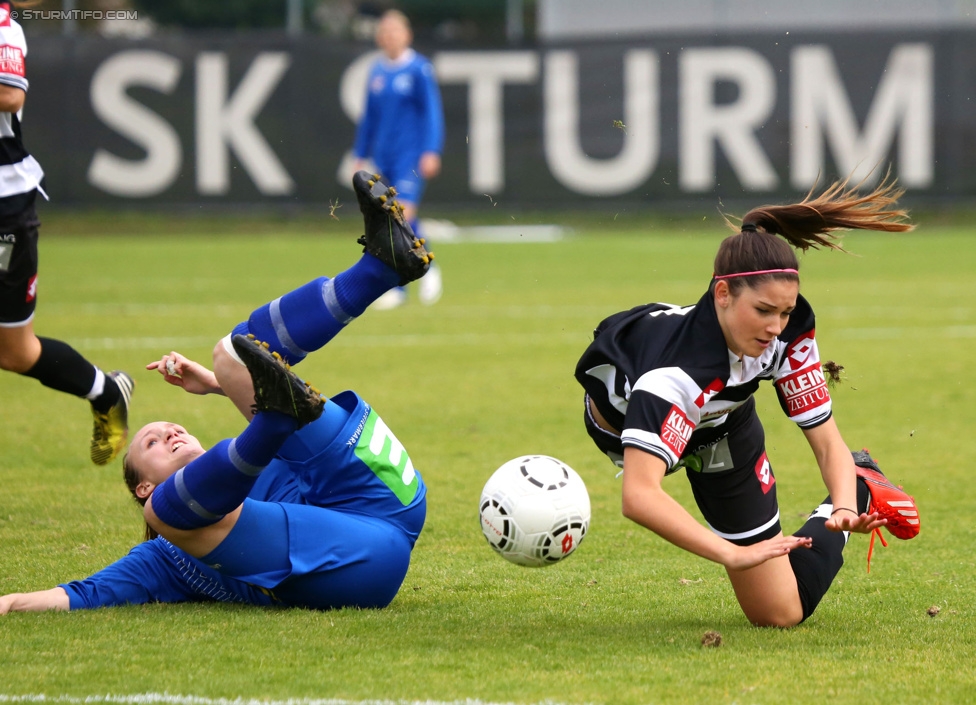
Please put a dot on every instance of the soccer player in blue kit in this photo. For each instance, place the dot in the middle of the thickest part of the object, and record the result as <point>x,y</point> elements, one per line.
<point>315,504</point>
<point>402,131</point>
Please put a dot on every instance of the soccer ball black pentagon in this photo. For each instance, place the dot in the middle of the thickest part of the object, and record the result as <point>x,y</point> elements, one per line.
<point>535,510</point>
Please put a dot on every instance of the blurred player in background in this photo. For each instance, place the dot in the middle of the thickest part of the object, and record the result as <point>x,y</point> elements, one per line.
<point>402,131</point>
<point>315,504</point>
<point>671,387</point>
<point>53,363</point>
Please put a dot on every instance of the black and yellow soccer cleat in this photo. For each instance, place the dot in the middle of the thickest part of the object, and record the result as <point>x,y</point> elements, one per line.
<point>389,237</point>
<point>276,387</point>
<point>111,429</point>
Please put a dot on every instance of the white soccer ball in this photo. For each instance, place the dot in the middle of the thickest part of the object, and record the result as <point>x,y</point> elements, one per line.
<point>535,510</point>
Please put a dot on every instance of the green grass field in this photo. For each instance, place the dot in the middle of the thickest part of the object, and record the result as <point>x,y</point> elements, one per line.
<point>484,376</point>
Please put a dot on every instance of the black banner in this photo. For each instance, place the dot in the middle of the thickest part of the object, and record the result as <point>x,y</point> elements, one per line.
<point>251,118</point>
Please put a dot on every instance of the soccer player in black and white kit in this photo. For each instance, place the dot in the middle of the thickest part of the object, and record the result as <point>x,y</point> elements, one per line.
<point>670,387</point>
<point>53,363</point>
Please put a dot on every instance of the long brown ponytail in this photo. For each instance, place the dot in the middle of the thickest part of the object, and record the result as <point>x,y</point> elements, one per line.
<point>768,235</point>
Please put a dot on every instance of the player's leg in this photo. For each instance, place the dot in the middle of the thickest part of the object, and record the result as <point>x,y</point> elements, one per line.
<point>197,506</point>
<point>53,363</point>
<point>307,318</point>
<point>398,175</point>
<point>410,188</point>
<point>735,489</point>
<point>815,568</point>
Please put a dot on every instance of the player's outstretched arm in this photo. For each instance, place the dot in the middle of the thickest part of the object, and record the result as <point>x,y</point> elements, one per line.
<point>40,601</point>
<point>646,503</point>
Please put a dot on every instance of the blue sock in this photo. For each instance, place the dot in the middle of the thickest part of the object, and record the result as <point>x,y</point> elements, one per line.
<point>218,481</point>
<point>307,318</point>
<point>363,283</point>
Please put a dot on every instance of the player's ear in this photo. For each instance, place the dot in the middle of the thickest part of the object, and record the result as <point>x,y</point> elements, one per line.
<point>144,489</point>
<point>722,293</point>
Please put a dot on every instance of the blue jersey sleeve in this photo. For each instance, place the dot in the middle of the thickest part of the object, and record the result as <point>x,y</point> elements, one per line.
<point>157,571</point>
<point>433,140</point>
<point>144,575</point>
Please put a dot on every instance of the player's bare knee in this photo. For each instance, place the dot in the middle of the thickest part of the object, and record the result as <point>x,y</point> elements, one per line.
<point>17,360</point>
<point>780,619</point>
<point>226,362</point>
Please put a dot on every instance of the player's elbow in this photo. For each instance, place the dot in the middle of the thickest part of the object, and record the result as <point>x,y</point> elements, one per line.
<point>632,505</point>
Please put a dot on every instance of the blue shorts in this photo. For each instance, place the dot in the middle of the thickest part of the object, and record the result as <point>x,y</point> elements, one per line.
<point>402,174</point>
<point>312,557</point>
<point>329,523</point>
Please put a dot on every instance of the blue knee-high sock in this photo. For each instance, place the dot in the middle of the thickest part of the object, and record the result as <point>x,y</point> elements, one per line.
<point>218,481</point>
<point>307,318</point>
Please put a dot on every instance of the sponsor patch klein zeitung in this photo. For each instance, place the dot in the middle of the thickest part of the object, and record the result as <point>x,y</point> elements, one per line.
<point>676,430</point>
<point>804,389</point>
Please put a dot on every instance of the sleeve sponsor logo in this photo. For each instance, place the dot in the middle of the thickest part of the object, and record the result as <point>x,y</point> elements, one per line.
<point>31,289</point>
<point>713,388</point>
<point>804,390</point>
<point>11,60</point>
<point>676,430</point>
<point>764,472</point>
<point>800,350</point>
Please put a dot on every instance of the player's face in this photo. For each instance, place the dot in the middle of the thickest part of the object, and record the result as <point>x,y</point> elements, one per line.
<point>393,37</point>
<point>752,319</point>
<point>161,448</point>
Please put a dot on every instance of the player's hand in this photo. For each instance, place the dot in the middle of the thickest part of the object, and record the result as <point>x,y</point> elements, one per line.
<point>857,523</point>
<point>758,553</point>
<point>6,601</point>
<point>183,372</point>
<point>430,165</point>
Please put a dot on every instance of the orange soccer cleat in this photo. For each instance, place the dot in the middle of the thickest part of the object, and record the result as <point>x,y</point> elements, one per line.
<point>888,500</point>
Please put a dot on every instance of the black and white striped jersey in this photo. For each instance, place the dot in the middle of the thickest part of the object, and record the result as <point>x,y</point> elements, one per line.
<point>20,173</point>
<point>665,377</point>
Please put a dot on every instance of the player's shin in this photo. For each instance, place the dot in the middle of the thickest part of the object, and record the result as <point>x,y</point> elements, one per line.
<point>307,318</point>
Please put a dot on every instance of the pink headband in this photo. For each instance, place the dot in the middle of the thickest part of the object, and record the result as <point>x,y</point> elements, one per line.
<point>752,274</point>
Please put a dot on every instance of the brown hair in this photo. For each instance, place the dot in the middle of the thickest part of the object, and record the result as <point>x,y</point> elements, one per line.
<point>132,479</point>
<point>769,235</point>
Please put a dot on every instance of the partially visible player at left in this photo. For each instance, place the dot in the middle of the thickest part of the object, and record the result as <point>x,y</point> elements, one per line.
<point>315,503</point>
<point>53,363</point>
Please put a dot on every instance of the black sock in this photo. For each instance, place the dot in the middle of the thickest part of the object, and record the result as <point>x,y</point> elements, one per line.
<point>816,567</point>
<point>863,496</point>
<point>62,368</point>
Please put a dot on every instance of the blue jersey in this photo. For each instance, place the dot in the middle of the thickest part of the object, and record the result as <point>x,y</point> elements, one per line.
<point>329,523</point>
<point>403,116</point>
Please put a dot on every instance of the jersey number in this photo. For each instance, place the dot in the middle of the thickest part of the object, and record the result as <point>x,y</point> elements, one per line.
<point>386,456</point>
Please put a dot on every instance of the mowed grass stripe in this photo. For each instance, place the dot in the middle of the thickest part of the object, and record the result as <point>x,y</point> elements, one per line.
<point>168,699</point>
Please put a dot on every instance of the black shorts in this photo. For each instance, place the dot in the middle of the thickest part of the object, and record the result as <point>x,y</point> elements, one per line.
<point>18,268</point>
<point>730,476</point>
